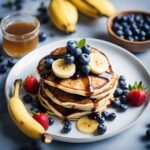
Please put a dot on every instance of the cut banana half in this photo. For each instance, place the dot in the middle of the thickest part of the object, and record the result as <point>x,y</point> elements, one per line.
<point>63,70</point>
<point>87,125</point>
<point>98,63</point>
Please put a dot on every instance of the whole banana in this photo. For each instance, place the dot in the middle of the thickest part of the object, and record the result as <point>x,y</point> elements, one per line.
<point>22,118</point>
<point>64,15</point>
<point>94,8</point>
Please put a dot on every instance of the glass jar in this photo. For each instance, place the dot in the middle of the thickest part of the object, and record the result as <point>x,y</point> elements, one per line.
<point>20,34</point>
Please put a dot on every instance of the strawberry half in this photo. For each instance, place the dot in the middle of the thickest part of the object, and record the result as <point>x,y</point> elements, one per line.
<point>137,94</point>
<point>31,84</point>
<point>42,119</point>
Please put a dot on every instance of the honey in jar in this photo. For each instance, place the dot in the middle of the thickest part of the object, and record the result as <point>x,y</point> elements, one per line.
<point>20,36</point>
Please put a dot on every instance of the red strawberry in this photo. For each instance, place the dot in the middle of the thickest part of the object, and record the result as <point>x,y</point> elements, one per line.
<point>31,84</point>
<point>137,95</point>
<point>42,119</point>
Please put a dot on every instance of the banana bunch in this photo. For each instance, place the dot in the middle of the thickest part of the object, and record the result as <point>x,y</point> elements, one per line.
<point>94,8</point>
<point>64,15</point>
<point>22,118</point>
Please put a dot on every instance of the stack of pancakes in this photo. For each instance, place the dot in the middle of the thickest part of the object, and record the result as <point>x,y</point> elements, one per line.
<point>77,96</point>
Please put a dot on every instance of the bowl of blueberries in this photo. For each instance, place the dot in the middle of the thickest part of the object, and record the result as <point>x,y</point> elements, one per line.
<point>131,30</point>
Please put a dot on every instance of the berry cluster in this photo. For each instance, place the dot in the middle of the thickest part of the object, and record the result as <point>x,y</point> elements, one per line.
<point>132,27</point>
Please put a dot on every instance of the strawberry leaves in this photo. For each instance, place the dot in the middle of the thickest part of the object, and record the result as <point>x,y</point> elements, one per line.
<point>137,86</point>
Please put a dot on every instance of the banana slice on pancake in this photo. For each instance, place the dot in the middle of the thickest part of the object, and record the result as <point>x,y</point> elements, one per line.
<point>63,70</point>
<point>86,125</point>
<point>98,63</point>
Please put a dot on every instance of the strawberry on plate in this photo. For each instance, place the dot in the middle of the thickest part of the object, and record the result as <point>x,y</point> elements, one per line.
<point>31,84</point>
<point>42,119</point>
<point>137,94</point>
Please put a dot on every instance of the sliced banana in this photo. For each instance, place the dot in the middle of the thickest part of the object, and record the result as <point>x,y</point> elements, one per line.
<point>87,125</point>
<point>63,70</point>
<point>98,63</point>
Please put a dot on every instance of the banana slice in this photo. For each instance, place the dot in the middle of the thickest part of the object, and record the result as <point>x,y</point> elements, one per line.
<point>98,63</point>
<point>63,70</point>
<point>87,125</point>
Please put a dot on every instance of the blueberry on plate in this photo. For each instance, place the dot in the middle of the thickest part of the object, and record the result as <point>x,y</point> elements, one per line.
<point>27,98</point>
<point>69,58</point>
<point>66,129</point>
<point>3,68</point>
<point>101,129</point>
<point>123,107</point>
<point>68,123</point>
<point>116,103</point>
<point>76,51</point>
<point>122,84</point>
<point>48,62</point>
<point>118,92</point>
<point>85,69</point>
<point>125,91</point>
<point>111,116</point>
<point>11,62</point>
<point>71,45</point>
<point>84,59</point>
<point>86,49</point>
<point>148,133</point>
<point>1,58</point>
<point>51,120</point>
<point>105,114</point>
<point>42,36</point>
<point>100,119</point>
<point>122,78</point>
<point>123,99</point>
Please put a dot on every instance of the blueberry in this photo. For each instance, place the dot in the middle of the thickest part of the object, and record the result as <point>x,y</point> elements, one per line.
<point>128,32</point>
<point>105,114</point>
<point>51,120</point>
<point>119,32</point>
<point>136,31</point>
<point>71,42</point>
<point>123,99</point>
<point>69,58</point>
<point>3,68</point>
<point>147,19</point>
<point>122,84</point>
<point>86,49</point>
<point>66,129</point>
<point>146,27</point>
<point>85,69</point>
<point>84,59</point>
<point>111,116</point>
<point>100,119</point>
<point>142,38</point>
<point>115,103</point>
<point>76,51</point>
<point>133,26</point>
<point>118,19</point>
<point>35,109</point>
<point>130,38</point>
<point>11,62</point>
<point>42,9</point>
<point>123,107</point>
<point>136,38</point>
<point>71,45</point>
<point>48,62</point>
<point>130,20</point>
<point>138,18</point>
<point>142,33</point>
<point>148,133</point>
<point>118,92</point>
<point>42,37</point>
<point>122,78</point>
<point>67,123</point>
<point>1,58</point>
<point>122,36</point>
<point>27,98</point>
<point>125,91</point>
<point>101,129</point>
<point>116,27</point>
<point>35,103</point>
<point>125,25</point>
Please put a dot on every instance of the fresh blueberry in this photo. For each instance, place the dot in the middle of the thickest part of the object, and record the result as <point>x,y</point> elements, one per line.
<point>128,32</point>
<point>111,116</point>
<point>71,42</point>
<point>100,119</point>
<point>101,129</point>
<point>147,18</point>
<point>130,38</point>
<point>66,129</point>
<point>148,133</point>
<point>119,32</point>
<point>84,59</point>
<point>76,51</point>
<point>118,19</point>
<point>138,18</point>
<point>86,49</point>
<point>136,38</point>
<point>85,69</point>
<point>123,99</point>
<point>124,18</point>
<point>11,62</point>
<point>122,78</point>
<point>142,38</point>
<point>130,20</point>
<point>125,25</point>
<point>1,58</point>
<point>105,114</point>
<point>123,107</point>
<point>3,68</point>
<point>27,98</point>
<point>118,92</point>
<point>116,27</point>
<point>42,36</point>
<point>122,36</point>
<point>134,26</point>
<point>42,9</point>
<point>146,27</point>
<point>136,31</point>
<point>35,103</point>
<point>51,120</point>
<point>69,58</point>
<point>48,62</point>
<point>142,33</point>
<point>115,103</point>
<point>71,45</point>
<point>125,91</point>
<point>67,123</point>
<point>35,109</point>
<point>122,84</point>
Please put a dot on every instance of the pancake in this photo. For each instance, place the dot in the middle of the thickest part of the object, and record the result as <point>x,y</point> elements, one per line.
<point>81,85</point>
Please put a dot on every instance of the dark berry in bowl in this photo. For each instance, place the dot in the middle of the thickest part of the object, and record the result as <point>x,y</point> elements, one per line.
<point>3,68</point>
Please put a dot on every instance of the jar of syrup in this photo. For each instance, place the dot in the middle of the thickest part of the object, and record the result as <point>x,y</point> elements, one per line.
<point>20,34</point>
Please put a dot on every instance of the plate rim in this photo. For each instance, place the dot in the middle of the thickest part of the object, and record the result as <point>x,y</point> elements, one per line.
<point>96,138</point>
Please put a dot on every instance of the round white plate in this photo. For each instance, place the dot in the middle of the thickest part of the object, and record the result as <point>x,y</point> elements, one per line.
<point>123,63</point>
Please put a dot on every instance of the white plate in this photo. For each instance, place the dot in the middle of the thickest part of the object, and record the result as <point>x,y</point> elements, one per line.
<point>123,62</point>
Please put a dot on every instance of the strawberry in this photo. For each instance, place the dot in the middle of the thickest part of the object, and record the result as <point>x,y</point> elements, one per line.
<point>137,94</point>
<point>31,84</point>
<point>42,119</point>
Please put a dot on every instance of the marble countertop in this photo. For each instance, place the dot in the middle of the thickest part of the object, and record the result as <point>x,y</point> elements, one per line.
<point>132,139</point>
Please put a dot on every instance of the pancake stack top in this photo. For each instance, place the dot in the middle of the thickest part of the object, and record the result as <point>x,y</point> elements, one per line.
<point>79,95</point>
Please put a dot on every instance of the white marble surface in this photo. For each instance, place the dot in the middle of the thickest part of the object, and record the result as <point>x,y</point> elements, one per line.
<point>11,138</point>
